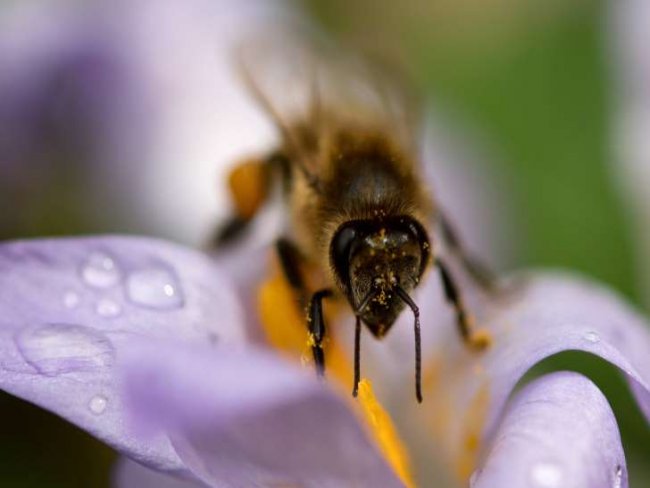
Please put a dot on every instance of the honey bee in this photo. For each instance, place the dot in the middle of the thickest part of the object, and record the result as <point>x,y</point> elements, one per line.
<point>354,190</point>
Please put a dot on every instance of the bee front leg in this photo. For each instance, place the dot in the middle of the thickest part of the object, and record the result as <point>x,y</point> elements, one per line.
<point>477,340</point>
<point>317,329</point>
<point>290,261</point>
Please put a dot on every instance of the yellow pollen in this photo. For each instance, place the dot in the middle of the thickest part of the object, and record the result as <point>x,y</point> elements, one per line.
<point>473,427</point>
<point>247,183</point>
<point>285,329</point>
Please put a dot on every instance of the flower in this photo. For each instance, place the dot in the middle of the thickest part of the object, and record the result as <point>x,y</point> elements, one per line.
<point>149,347</point>
<point>230,414</point>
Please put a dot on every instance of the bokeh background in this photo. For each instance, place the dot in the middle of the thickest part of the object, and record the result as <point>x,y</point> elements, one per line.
<point>538,85</point>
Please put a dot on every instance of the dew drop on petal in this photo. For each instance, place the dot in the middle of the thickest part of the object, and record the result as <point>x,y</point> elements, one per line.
<point>108,308</point>
<point>155,288</point>
<point>592,337</point>
<point>546,475</point>
<point>97,404</point>
<point>618,477</point>
<point>71,299</point>
<point>100,271</point>
<point>473,479</point>
<point>55,349</point>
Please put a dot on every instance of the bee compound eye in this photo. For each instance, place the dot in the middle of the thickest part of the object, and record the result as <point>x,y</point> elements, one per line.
<point>340,251</point>
<point>343,242</point>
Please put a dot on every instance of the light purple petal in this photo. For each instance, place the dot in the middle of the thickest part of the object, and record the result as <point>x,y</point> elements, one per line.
<point>542,315</point>
<point>248,419</point>
<point>129,474</point>
<point>559,431</point>
<point>629,22</point>
<point>70,306</point>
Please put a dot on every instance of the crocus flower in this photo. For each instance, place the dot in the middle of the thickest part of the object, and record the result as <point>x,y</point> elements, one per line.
<point>150,347</point>
<point>143,344</point>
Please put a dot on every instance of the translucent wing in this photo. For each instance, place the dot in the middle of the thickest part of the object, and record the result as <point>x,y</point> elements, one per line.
<point>311,88</point>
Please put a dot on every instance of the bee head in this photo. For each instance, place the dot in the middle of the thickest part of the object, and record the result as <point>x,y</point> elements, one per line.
<point>370,258</point>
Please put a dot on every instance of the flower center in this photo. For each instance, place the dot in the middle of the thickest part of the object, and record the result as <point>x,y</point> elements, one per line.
<point>285,329</point>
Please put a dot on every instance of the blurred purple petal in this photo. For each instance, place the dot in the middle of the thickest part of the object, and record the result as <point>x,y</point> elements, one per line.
<point>136,99</point>
<point>559,431</point>
<point>70,306</point>
<point>249,419</point>
<point>630,65</point>
<point>203,119</point>
<point>129,474</point>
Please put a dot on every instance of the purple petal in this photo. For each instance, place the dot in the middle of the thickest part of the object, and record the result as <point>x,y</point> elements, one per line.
<point>629,23</point>
<point>249,419</point>
<point>559,431</point>
<point>129,474</point>
<point>542,315</point>
<point>70,306</point>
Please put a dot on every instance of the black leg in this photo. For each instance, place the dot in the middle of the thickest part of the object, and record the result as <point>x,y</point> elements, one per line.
<point>258,174</point>
<point>482,275</point>
<point>290,261</point>
<point>463,319</point>
<point>317,329</point>
<point>418,341</point>
<point>229,232</point>
<point>357,356</point>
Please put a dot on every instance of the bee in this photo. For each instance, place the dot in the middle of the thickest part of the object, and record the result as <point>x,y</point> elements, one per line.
<point>353,188</point>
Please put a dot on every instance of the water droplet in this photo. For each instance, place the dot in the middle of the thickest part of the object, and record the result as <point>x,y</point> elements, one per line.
<point>97,404</point>
<point>473,479</point>
<point>108,308</point>
<point>546,475</point>
<point>55,349</point>
<point>71,299</point>
<point>100,271</point>
<point>155,288</point>
<point>618,477</point>
<point>592,337</point>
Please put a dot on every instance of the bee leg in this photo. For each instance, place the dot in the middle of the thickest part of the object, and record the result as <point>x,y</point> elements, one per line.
<point>317,329</point>
<point>474,339</point>
<point>481,274</point>
<point>249,184</point>
<point>290,262</point>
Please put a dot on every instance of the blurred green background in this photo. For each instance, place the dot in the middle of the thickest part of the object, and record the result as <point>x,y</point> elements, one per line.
<point>533,77</point>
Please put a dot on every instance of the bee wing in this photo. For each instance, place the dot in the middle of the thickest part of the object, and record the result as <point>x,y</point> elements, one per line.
<point>310,87</point>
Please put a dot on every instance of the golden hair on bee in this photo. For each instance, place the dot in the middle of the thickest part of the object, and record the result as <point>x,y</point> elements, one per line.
<point>358,206</point>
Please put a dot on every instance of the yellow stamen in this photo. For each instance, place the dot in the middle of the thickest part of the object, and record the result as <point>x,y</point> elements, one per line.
<point>472,429</point>
<point>384,432</point>
<point>286,331</point>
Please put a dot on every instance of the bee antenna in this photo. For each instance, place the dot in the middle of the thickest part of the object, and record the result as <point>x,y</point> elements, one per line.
<point>418,347</point>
